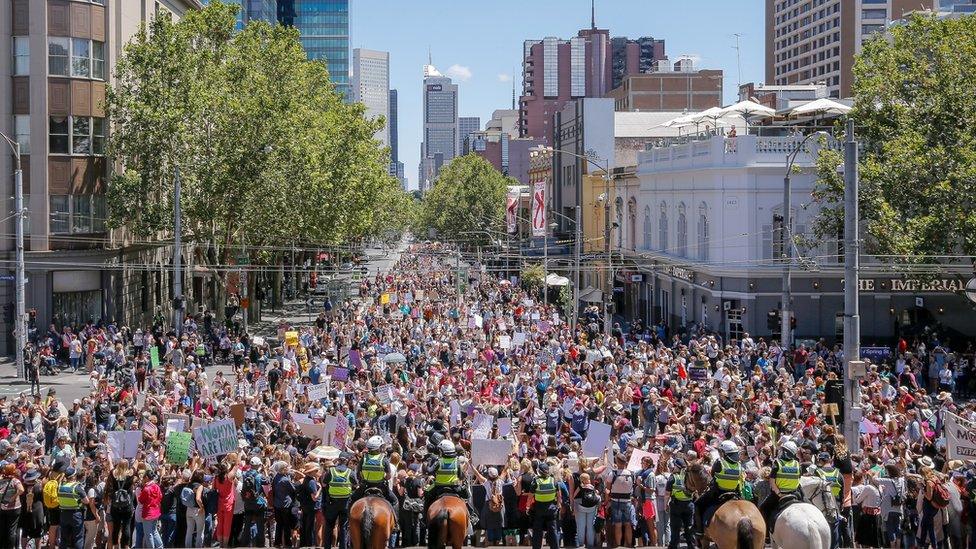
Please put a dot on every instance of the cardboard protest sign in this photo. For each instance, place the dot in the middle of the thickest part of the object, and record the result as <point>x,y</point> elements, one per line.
<point>154,356</point>
<point>178,447</point>
<point>341,433</point>
<point>504,426</point>
<point>216,439</point>
<point>237,412</point>
<point>597,437</point>
<point>312,430</point>
<point>636,459</point>
<point>481,426</point>
<point>340,374</point>
<point>149,430</point>
<point>505,342</point>
<point>317,392</point>
<point>291,339</point>
<point>490,452</point>
<point>960,437</point>
<point>124,444</point>
<point>384,393</point>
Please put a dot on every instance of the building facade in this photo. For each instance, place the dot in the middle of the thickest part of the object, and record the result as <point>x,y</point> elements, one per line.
<point>56,60</point>
<point>467,125</point>
<point>811,41</point>
<point>441,132</point>
<point>371,87</point>
<point>669,91</point>
<point>396,167</point>
<point>556,71</point>
<point>325,34</point>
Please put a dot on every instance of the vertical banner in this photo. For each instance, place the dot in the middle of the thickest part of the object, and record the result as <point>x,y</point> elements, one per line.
<point>510,209</point>
<point>539,209</point>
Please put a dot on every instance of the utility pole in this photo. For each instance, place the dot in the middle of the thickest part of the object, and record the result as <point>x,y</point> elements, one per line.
<point>854,369</point>
<point>608,296</point>
<point>20,326</point>
<point>576,282</point>
<point>177,258</point>
<point>545,267</point>
<point>787,240</point>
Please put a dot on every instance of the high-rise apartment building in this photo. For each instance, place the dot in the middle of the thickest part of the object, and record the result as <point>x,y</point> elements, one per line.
<point>396,167</point>
<point>467,125</point>
<point>324,29</point>
<point>556,71</point>
<point>371,86</point>
<point>56,61</point>
<point>441,133</point>
<point>813,41</point>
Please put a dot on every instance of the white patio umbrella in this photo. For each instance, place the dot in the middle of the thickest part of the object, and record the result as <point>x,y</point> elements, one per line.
<point>748,109</point>
<point>821,106</point>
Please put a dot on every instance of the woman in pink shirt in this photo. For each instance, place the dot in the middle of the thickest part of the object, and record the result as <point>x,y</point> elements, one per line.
<point>225,482</point>
<point>151,498</point>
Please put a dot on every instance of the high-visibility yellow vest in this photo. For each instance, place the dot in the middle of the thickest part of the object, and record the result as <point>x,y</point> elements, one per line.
<point>832,475</point>
<point>68,498</point>
<point>729,478</point>
<point>372,469</point>
<point>447,472</point>
<point>340,483</point>
<point>678,490</point>
<point>788,475</point>
<point>545,490</point>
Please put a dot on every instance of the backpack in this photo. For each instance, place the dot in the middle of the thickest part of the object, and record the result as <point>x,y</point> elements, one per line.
<point>495,502</point>
<point>898,498</point>
<point>249,488</point>
<point>940,495</point>
<point>51,488</point>
<point>122,501</point>
<point>590,498</point>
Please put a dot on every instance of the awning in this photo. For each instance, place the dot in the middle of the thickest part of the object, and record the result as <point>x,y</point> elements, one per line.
<point>556,280</point>
<point>591,295</point>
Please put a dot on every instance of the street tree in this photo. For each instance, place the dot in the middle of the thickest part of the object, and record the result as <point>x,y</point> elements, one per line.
<point>467,201</point>
<point>915,112</point>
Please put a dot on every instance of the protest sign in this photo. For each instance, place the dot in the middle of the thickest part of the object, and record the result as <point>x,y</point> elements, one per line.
<point>340,374</point>
<point>481,426</point>
<point>455,412</point>
<point>504,427</point>
<point>154,356</point>
<point>341,432</point>
<point>312,430</point>
<point>384,393</point>
<point>216,439</point>
<point>960,437</point>
<point>291,339</point>
<point>317,392</point>
<point>149,430</point>
<point>124,444</point>
<point>544,326</point>
<point>869,427</point>
<point>237,412</point>
<point>636,460</point>
<point>505,342</point>
<point>384,299</point>
<point>257,341</point>
<point>355,357</point>
<point>519,339</point>
<point>597,437</point>
<point>490,452</point>
<point>698,373</point>
<point>177,447</point>
<point>328,430</point>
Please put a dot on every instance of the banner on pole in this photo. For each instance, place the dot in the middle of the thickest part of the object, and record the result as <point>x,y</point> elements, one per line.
<point>510,210</point>
<point>539,209</point>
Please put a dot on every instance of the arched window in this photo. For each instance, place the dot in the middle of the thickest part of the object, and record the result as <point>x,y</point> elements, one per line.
<point>682,231</point>
<point>662,228</point>
<point>648,227</point>
<point>703,235</point>
<point>619,203</point>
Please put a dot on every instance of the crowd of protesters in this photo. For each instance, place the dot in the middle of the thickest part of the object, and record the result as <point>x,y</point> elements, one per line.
<point>445,351</point>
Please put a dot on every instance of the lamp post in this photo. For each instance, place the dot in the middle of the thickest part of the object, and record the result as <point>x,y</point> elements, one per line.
<point>545,263</point>
<point>854,368</point>
<point>20,322</point>
<point>786,308</point>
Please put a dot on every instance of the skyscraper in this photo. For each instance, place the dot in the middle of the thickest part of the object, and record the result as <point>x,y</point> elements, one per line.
<point>324,29</point>
<point>467,125</point>
<point>396,167</point>
<point>441,139</point>
<point>371,86</point>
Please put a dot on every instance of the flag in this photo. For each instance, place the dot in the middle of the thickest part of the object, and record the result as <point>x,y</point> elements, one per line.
<point>539,209</point>
<point>510,210</point>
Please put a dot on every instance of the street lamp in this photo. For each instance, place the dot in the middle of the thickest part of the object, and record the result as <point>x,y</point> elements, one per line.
<point>545,263</point>
<point>786,314</point>
<point>20,324</point>
<point>579,237</point>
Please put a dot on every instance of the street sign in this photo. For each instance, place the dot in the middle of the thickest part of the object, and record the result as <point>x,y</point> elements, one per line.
<point>12,278</point>
<point>243,260</point>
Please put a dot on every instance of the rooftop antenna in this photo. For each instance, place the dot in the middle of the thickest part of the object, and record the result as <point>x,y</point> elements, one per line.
<point>738,55</point>
<point>593,14</point>
<point>513,88</point>
<point>430,57</point>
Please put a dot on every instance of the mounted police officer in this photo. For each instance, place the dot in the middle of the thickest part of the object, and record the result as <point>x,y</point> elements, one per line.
<point>446,471</point>
<point>835,481</point>
<point>339,482</point>
<point>727,479</point>
<point>681,507</point>
<point>374,473</point>
<point>784,481</point>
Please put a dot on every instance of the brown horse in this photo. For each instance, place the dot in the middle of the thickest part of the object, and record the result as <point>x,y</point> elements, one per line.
<point>371,522</point>
<point>736,524</point>
<point>447,523</point>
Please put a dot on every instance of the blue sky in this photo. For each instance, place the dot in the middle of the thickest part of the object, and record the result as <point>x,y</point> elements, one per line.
<point>480,44</point>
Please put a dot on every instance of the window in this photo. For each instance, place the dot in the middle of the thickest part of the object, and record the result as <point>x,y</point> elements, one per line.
<point>80,57</point>
<point>81,213</point>
<point>21,52</point>
<point>98,60</point>
<point>703,232</point>
<point>874,14</point>
<point>647,227</point>
<point>871,29</point>
<point>662,228</point>
<point>682,231</point>
<point>85,134</point>
<point>22,132</point>
<point>57,56</point>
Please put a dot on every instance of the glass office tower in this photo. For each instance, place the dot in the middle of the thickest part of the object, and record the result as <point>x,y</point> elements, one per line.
<point>324,29</point>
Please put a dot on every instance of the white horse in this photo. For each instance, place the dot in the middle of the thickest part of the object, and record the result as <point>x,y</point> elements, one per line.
<point>803,525</point>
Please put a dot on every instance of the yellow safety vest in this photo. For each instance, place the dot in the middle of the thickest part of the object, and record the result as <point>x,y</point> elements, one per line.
<point>729,478</point>
<point>678,491</point>
<point>68,498</point>
<point>340,483</point>
<point>545,490</point>
<point>447,472</point>
<point>788,475</point>
<point>832,475</point>
<point>372,469</point>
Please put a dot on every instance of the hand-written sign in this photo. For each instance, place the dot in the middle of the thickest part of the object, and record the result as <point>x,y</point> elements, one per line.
<point>481,426</point>
<point>216,439</point>
<point>178,447</point>
<point>317,392</point>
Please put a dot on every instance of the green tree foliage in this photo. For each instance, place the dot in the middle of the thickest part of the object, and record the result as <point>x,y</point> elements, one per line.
<point>467,199</point>
<point>267,149</point>
<point>915,110</point>
<point>533,277</point>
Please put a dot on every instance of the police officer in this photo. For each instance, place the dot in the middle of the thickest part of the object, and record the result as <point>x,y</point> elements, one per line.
<point>546,508</point>
<point>72,502</point>
<point>447,479</point>
<point>339,482</point>
<point>680,506</point>
<point>831,475</point>
<point>374,473</point>
<point>784,480</point>
<point>727,479</point>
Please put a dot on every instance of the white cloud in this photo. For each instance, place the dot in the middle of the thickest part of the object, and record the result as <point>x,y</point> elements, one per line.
<point>504,78</point>
<point>459,72</point>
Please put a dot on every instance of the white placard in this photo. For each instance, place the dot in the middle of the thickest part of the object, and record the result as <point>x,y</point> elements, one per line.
<point>960,438</point>
<point>175,425</point>
<point>519,339</point>
<point>504,426</point>
<point>318,392</point>
<point>124,444</point>
<point>597,437</point>
<point>505,342</point>
<point>455,412</point>
<point>481,426</point>
<point>216,439</point>
<point>637,458</point>
<point>490,452</point>
<point>385,393</point>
